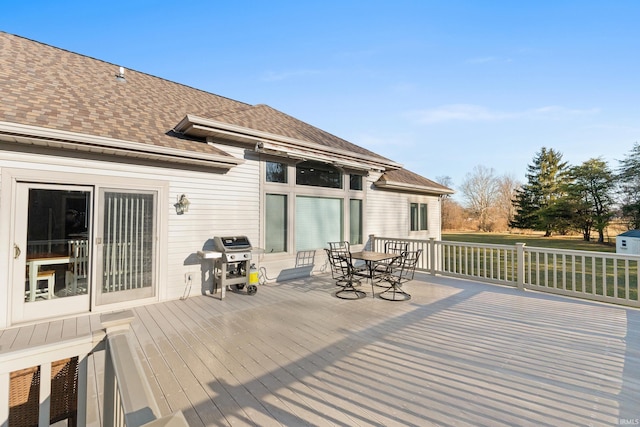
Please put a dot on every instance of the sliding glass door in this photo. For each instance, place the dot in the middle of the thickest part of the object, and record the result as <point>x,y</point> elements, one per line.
<point>51,251</point>
<point>127,246</point>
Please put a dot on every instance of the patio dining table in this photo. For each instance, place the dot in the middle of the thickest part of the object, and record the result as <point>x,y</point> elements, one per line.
<point>371,258</point>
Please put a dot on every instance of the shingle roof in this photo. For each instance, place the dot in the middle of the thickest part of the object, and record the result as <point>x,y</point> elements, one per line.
<point>264,118</point>
<point>407,180</point>
<point>56,89</point>
<point>52,88</point>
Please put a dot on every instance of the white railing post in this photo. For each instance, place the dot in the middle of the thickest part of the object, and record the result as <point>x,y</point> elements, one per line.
<point>432,256</point>
<point>372,242</point>
<point>520,265</point>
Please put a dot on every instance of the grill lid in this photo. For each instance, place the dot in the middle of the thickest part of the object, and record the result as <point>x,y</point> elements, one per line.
<point>231,244</point>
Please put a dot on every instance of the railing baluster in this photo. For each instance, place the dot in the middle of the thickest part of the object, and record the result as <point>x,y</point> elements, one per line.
<point>537,268</point>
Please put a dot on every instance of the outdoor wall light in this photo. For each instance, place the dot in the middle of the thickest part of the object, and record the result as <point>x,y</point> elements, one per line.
<point>182,205</point>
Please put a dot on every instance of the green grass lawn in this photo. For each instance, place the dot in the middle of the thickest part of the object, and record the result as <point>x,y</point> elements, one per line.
<point>537,240</point>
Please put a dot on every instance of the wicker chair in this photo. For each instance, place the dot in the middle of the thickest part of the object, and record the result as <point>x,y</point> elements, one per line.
<point>24,391</point>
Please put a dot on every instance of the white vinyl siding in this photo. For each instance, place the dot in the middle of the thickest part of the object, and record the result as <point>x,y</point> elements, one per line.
<point>387,212</point>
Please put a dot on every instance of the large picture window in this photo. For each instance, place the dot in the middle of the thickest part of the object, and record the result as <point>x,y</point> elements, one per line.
<point>318,221</point>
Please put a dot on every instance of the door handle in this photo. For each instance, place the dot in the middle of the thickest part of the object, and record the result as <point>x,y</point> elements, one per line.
<point>16,251</point>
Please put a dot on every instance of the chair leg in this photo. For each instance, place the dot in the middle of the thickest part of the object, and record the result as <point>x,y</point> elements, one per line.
<point>395,293</point>
<point>349,292</point>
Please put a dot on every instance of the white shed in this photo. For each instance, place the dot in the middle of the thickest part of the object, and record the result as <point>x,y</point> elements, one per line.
<point>628,242</point>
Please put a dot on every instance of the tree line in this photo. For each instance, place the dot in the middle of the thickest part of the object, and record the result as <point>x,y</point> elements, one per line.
<point>556,198</point>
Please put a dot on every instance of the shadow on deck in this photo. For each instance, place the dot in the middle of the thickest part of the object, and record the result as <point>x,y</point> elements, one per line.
<point>458,353</point>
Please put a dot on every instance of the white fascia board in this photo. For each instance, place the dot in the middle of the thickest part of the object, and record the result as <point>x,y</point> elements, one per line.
<point>35,135</point>
<point>400,186</point>
<point>280,142</point>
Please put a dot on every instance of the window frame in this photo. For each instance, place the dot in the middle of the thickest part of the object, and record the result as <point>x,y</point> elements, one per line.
<point>292,190</point>
<point>418,216</point>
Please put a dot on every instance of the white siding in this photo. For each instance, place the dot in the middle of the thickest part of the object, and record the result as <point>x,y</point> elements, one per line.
<point>221,204</point>
<point>387,213</point>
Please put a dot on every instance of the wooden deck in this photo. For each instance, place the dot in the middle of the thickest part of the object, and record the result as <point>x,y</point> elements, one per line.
<point>458,353</point>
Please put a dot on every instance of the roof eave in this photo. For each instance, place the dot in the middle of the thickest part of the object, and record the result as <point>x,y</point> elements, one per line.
<point>34,135</point>
<point>413,188</point>
<point>259,140</point>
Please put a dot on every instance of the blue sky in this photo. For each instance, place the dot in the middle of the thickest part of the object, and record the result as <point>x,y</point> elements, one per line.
<point>438,86</point>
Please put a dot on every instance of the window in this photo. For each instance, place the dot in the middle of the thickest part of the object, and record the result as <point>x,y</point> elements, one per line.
<point>320,206</point>
<point>276,223</point>
<point>276,172</point>
<point>355,182</point>
<point>355,221</point>
<point>423,216</point>
<point>418,213</point>
<point>318,221</point>
<point>318,175</point>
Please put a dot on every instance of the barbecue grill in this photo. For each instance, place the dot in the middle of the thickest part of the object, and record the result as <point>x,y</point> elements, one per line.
<point>233,267</point>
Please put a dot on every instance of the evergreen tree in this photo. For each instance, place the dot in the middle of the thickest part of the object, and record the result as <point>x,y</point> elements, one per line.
<point>537,202</point>
<point>591,192</point>
<point>629,185</point>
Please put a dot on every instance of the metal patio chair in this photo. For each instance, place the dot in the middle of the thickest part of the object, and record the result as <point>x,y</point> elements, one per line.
<point>383,268</point>
<point>400,272</point>
<point>350,279</point>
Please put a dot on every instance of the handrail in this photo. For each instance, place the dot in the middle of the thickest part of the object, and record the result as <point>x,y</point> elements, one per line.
<point>129,400</point>
<point>599,276</point>
<point>43,356</point>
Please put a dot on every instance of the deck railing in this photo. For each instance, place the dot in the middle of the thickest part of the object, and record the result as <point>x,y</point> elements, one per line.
<point>45,384</point>
<point>600,276</point>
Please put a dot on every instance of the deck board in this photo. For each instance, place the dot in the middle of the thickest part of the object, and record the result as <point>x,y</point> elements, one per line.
<point>457,353</point>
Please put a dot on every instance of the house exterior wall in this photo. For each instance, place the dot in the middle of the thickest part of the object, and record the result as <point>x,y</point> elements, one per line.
<point>220,204</point>
<point>388,213</point>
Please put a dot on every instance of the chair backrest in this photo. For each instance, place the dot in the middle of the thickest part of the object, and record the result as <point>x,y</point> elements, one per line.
<point>408,262</point>
<point>396,247</point>
<point>340,263</point>
<point>342,246</point>
<point>79,254</point>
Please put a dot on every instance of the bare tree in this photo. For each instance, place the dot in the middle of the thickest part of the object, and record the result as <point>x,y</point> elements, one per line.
<point>451,211</point>
<point>479,190</point>
<point>507,188</point>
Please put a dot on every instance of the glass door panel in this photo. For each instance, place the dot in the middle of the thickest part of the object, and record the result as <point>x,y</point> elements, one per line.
<point>52,228</point>
<point>128,246</point>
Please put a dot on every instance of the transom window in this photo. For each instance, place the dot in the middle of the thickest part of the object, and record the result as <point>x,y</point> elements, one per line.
<point>355,182</point>
<point>318,175</point>
<point>276,172</point>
